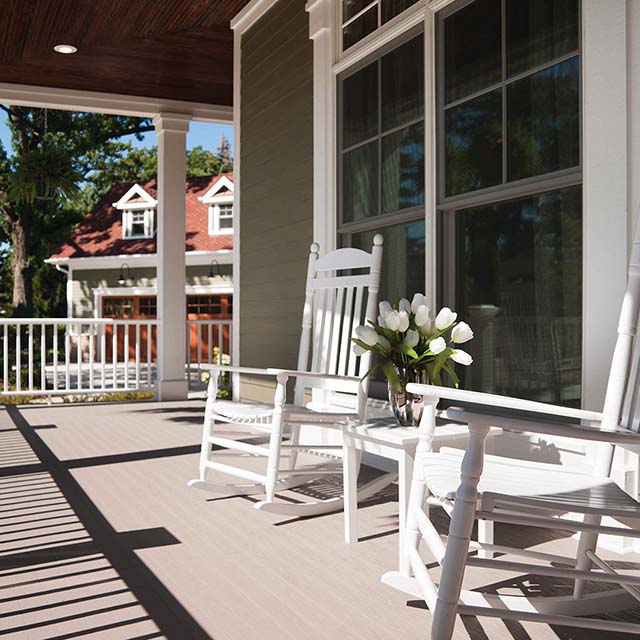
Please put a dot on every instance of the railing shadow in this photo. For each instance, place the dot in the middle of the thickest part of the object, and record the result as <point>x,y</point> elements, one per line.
<point>64,570</point>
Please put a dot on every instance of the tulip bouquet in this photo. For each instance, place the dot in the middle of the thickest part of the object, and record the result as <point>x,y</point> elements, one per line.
<point>413,346</point>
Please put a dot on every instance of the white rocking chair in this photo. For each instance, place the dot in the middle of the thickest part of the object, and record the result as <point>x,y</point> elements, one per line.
<point>498,489</point>
<point>336,302</point>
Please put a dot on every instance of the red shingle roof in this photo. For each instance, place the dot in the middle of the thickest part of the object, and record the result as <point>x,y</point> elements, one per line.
<point>100,233</point>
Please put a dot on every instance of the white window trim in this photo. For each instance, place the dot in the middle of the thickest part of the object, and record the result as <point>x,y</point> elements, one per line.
<point>127,223</point>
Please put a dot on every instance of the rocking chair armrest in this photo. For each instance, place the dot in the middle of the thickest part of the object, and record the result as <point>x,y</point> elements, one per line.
<point>504,403</point>
<point>618,436</point>
<point>225,368</point>
<point>292,373</point>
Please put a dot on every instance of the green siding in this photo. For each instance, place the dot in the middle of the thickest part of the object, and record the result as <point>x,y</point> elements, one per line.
<point>276,140</point>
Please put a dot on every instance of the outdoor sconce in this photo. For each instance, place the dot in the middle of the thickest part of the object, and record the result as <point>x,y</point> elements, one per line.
<point>218,271</point>
<point>122,280</point>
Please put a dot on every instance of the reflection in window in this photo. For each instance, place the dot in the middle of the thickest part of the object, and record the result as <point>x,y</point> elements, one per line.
<point>473,139</point>
<point>543,124</point>
<point>519,272</point>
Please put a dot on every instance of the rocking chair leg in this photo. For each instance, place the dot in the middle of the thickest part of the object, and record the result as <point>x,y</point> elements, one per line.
<point>486,536</point>
<point>294,441</point>
<point>275,440</point>
<point>460,529</point>
<point>588,542</point>
<point>417,497</point>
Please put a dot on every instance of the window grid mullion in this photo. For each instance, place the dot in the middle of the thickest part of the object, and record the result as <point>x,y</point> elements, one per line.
<point>503,49</point>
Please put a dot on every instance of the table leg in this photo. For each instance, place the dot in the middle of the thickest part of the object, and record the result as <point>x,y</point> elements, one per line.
<point>350,468</point>
<point>405,474</point>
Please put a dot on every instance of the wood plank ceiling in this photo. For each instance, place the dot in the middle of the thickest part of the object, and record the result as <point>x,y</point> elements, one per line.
<point>178,49</point>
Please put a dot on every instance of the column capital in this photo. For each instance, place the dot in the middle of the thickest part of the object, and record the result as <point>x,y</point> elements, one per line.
<point>320,17</point>
<point>174,122</point>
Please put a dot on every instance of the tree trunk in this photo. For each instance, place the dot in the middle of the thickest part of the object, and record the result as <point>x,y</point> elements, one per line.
<point>19,264</point>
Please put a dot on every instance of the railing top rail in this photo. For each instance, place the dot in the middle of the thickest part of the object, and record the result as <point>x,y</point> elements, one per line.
<point>210,321</point>
<point>76,321</point>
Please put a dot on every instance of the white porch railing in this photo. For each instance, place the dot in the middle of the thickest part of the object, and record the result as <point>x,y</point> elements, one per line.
<point>47,357</point>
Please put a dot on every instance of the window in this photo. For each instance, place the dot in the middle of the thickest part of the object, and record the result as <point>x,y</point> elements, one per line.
<point>362,17</point>
<point>129,307</point>
<point>138,223</point>
<point>220,218</point>
<point>381,161</point>
<point>509,191</point>
<point>209,305</point>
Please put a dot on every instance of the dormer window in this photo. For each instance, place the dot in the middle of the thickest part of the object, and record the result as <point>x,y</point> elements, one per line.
<point>220,201</point>
<point>138,223</point>
<point>138,213</point>
<point>220,218</point>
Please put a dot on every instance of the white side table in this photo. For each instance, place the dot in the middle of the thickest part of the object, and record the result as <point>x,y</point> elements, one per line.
<point>384,437</point>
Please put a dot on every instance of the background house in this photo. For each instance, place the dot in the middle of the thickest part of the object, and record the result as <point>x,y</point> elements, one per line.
<point>110,258</point>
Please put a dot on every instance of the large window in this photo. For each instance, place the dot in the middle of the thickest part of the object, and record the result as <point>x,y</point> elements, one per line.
<point>509,175</point>
<point>381,160</point>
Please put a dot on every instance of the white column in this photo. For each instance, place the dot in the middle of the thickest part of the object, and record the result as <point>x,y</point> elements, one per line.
<point>321,20</point>
<point>171,130</point>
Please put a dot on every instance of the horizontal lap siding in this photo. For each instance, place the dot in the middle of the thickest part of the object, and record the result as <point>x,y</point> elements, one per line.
<point>277,186</point>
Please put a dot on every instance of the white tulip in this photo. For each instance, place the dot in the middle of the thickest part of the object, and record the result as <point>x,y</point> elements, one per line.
<point>384,308</point>
<point>358,350</point>
<point>412,338</point>
<point>437,346</point>
<point>381,322</point>
<point>426,328</point>
<point>384,343</point>
<point>461,357</point>
<point>445,318</point>
<point>404,305</point>
<point>403,321</point>
<point>367,335</point>
<point>422,315</point>
<point>393,320</point>
<point>462,332</point>
<point>419,300</point>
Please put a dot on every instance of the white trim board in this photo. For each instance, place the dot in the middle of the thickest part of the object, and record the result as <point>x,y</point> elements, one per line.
<point>248,16</point>
<point>193,258</point>
<point>113,103</point>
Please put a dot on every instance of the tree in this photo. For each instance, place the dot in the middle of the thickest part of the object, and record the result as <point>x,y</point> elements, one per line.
<point>53,153</point>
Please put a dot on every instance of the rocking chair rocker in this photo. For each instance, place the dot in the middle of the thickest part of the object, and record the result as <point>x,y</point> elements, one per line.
<point>334,304</point>
<point>536,494</point>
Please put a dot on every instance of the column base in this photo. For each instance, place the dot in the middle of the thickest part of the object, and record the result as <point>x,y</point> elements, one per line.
<point>168,390</point>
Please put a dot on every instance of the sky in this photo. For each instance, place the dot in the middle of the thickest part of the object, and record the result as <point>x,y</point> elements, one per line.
<point>205,134</point>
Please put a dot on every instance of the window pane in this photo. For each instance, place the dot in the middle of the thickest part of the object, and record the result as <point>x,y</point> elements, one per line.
<point>473,139</point>
<point>354,32</point>
<point>403,84</point>
<point>403,169</point>
<point>519,285</point>
<point>544,127</point>
<point>403,259</point>
<point>539,31</point>
<point>360,105</point>
<point>360,183</point>
<point>472,48</point>
<point>392,8</point>
<point>351,7</point>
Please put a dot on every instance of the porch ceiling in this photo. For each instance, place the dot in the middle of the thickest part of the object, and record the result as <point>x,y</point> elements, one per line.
<point>177,49</point>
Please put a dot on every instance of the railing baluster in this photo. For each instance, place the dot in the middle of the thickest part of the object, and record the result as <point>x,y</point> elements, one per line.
<point>126,328</point>
<point>30,351</point>
<point>114,354</point>
<point>43,356</point>
<point>55,356</point>
<point>67,357</point>
<point>103,355</point>
<point>18,359</point>
<point>137,370</point>
<point>79,356</point>
<point>92,328</point>
<point>149,340</point>
<point>5,359</point>
<point>188,349</point>
<point>210,346</point>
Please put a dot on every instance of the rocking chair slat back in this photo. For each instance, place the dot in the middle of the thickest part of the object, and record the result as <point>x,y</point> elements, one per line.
<point>336,302</point>
<point>621,405</point>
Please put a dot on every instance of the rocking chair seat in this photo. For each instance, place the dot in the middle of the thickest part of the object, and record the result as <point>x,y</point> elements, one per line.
<point>255,413</point>
<point>548,486</point>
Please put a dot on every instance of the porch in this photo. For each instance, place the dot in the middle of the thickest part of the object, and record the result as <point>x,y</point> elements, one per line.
<point>79,561</point>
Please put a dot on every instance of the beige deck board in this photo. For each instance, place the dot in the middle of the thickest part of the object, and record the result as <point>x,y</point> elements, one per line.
<point>101,538</point>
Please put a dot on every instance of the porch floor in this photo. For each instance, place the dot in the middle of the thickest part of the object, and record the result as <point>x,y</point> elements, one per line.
<point>101,538</point>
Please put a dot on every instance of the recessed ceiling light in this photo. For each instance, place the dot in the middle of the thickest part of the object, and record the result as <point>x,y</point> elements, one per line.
<point>65,48</point>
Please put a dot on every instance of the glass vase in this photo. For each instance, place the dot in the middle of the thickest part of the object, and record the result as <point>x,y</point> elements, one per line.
<point>406,406</point>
